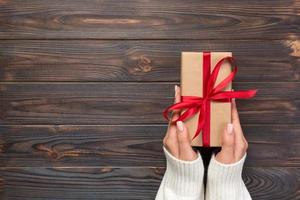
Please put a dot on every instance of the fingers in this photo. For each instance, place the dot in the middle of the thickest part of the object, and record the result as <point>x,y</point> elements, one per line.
<point>171,145</point>
<point>226,155</point>
<point>236,120</point>
<point>234,113</point>
<point>177,99</point>
<point>175,114</point>
<point>186,151</point>
<point>180,145</point>
<point>177,139</point>
<point>240,141</point>
<point>234,144</point>
<point>235,117</point>
<point>228,137</point>
<point>232,149</point>
<point>170,140</point>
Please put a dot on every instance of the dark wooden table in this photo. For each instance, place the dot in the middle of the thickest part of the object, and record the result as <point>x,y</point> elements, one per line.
<point>83,85</point>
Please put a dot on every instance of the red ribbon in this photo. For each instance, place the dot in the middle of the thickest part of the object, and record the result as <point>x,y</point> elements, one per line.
<point>195,104</point>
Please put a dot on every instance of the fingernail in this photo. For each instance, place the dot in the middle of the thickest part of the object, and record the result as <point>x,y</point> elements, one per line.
<point>180,125</point>
<point>229,128</point>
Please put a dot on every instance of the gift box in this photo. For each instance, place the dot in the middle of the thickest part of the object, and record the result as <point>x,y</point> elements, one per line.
<point>192,84</point>
<point>206,94</point>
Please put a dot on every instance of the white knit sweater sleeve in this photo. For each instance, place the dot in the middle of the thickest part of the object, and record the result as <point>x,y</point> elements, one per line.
<point>183,180</point>
<point>224,181</point>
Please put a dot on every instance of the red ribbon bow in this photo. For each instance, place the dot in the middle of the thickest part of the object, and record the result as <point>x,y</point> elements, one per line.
<point>194,104</point>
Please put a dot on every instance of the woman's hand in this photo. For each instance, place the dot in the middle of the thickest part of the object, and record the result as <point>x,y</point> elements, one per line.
<point>234,144</point>
<point>177,140</point>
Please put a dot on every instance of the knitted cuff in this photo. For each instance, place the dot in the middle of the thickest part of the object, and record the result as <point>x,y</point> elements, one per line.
<point>185,178</point>
<point>230,172</point>
<point>224,181</point>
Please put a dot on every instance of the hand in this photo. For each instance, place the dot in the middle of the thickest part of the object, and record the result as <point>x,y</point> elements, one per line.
<point>177,140</point>
<point>234,144</point>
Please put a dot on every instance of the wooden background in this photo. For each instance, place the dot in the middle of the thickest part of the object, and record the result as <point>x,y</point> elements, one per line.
<point>83,85</point>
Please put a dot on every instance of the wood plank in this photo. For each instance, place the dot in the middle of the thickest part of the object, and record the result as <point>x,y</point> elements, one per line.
<point>129,183</point>
<point>154,19</point>
<point>72,60</point>
<point>130,103</point>
<point>73,145</point>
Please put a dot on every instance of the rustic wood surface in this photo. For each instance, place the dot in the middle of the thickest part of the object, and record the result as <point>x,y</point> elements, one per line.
<point>131,103</point>
<point>141,19</point>
<point>83,85</point>
<point>84,146</point>
<point>128,183</point>
<point>127,60</point>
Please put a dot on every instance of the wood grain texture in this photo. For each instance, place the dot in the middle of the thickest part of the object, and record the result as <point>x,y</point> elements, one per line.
<point>123,60</point>
<point>84,146</point>
<point>128,183</point>
<point>131,103</point>
<point>83,85</point>
<point>132,19</point>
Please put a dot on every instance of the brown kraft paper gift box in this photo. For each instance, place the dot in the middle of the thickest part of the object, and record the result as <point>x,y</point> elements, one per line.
<point>191,85</point>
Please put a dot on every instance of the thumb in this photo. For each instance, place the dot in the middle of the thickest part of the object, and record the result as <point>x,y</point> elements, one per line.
<point>183,134</point>
<point>228,137</point>
<point>227,152</point>
<point>186,151</point>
